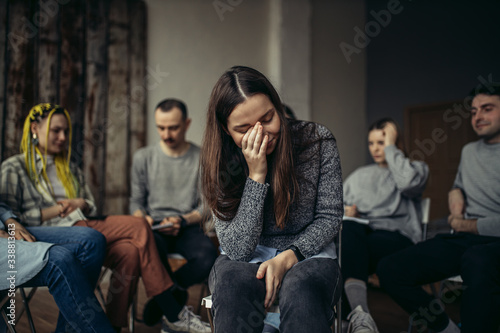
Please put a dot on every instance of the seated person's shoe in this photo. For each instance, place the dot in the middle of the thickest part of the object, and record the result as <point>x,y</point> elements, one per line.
<point>152,313</point>
<point>361,322</point>
<point>188,322</point>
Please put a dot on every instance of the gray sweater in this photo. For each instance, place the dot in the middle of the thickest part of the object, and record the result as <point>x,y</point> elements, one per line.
<point>314,219</point>
<point>478,177</point>
<point>389,197</point>
<point>163,185</point>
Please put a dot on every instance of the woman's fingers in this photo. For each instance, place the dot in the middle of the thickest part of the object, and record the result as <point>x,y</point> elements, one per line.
<point>255,137</point>
<point>27,236</point>
<point>261,272</point>
<point>272,282</point>
<point>254,147</point>
<point>258,139</point>
<point>252,139</point>
<point>272,287</point>
<point>244,141</point>
<point>263,146</point>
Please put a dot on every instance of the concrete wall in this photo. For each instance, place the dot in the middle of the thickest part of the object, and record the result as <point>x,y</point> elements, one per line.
<point>294,42</point>
<point>194,43</point>
<point>429,52</point>
<point>339,83</point>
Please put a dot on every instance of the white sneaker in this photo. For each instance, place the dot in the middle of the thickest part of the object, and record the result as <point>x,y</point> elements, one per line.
<point>361,322</point>
<point>188,323</point>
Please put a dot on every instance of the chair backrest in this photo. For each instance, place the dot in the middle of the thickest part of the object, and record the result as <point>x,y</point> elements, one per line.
<point>425,206</point>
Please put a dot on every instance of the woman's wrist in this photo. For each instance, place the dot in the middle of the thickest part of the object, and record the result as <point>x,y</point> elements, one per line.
<point>258,178</point>
<point>297,252</point>
<point>85,206</point>
<point>290,259</point>
<point>59,209</point>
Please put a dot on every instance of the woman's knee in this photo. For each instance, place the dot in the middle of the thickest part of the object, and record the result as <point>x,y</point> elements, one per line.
<point>123,256</point>
<point>235,279</point>
<point>92,239</point>
<point>141,230</point>
<point>312,278</point>
<point>61,256</point>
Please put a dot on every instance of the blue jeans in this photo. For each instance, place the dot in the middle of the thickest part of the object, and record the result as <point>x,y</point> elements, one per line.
<point>71,273</point>
<point>193,245</point>
<point>308,293</point>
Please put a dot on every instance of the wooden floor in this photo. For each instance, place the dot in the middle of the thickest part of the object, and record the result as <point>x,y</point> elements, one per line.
<point>389,316</point>
<point>45,311</point>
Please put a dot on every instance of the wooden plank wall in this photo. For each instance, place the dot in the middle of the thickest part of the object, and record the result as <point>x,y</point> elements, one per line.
<point>90,57</point>
<point>3,41</point>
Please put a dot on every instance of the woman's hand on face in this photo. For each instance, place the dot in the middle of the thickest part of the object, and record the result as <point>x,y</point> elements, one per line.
<point>273,271</point>
<point>70,205</point>
<point>351,211</point>
<point>390,134</point>
<point>253,146</point>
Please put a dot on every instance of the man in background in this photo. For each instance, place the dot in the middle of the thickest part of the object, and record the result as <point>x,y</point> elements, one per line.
<point>473,249</point>
<point>165,191</point>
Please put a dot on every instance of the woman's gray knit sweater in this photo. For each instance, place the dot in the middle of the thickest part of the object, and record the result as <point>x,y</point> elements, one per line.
<point>314,218</point>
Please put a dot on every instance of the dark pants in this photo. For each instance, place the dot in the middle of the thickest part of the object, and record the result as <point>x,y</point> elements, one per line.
<point>193,245</point>
<point>308,293</point>
<point>363,248</point>
<point>476,258</point>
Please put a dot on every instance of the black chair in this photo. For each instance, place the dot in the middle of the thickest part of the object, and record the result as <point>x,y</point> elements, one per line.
<point>5,302</point>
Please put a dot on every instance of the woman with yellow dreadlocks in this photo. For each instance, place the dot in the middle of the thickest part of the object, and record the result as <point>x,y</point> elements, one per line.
<point>43,188</point>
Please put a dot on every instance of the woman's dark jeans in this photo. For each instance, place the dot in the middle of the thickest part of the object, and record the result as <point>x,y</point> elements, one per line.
<point>308,293</point>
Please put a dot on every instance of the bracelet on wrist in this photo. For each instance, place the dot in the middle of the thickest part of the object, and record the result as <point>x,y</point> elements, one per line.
<point>297,253</point>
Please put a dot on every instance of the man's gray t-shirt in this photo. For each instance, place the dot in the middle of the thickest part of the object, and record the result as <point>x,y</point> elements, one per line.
<point>478,177</point>
<point>163,185</point>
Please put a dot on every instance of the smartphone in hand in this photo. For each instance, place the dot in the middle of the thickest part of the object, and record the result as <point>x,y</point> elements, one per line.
<point>162,226</point>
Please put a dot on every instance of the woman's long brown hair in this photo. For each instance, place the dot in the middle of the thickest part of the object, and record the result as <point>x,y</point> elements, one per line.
<point>223,166</point>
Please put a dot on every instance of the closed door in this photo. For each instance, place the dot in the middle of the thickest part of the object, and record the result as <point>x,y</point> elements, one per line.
<point>436,134</point>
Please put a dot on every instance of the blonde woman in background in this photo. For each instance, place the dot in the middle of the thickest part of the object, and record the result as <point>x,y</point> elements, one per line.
<point>43,188</point>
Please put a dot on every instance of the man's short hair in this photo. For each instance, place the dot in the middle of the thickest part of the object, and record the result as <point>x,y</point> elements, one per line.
<point>491,89</point>
<point>170,103</point>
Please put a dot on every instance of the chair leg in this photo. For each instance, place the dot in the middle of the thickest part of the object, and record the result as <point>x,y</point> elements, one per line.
<point>10,327</point>
<point>27,308</point>
<point>203,292</point>
<point>132,315</point>
<point>207,303</point>
<point>210,319</point>
<point>338,318</point>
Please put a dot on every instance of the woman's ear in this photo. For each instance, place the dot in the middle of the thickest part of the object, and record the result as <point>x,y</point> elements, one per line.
<point>34,128</point>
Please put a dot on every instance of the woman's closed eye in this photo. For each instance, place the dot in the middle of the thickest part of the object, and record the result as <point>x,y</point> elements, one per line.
<point>268,118</point>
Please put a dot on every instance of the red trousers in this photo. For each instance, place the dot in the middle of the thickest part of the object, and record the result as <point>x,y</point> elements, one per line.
<point>131,252</point>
